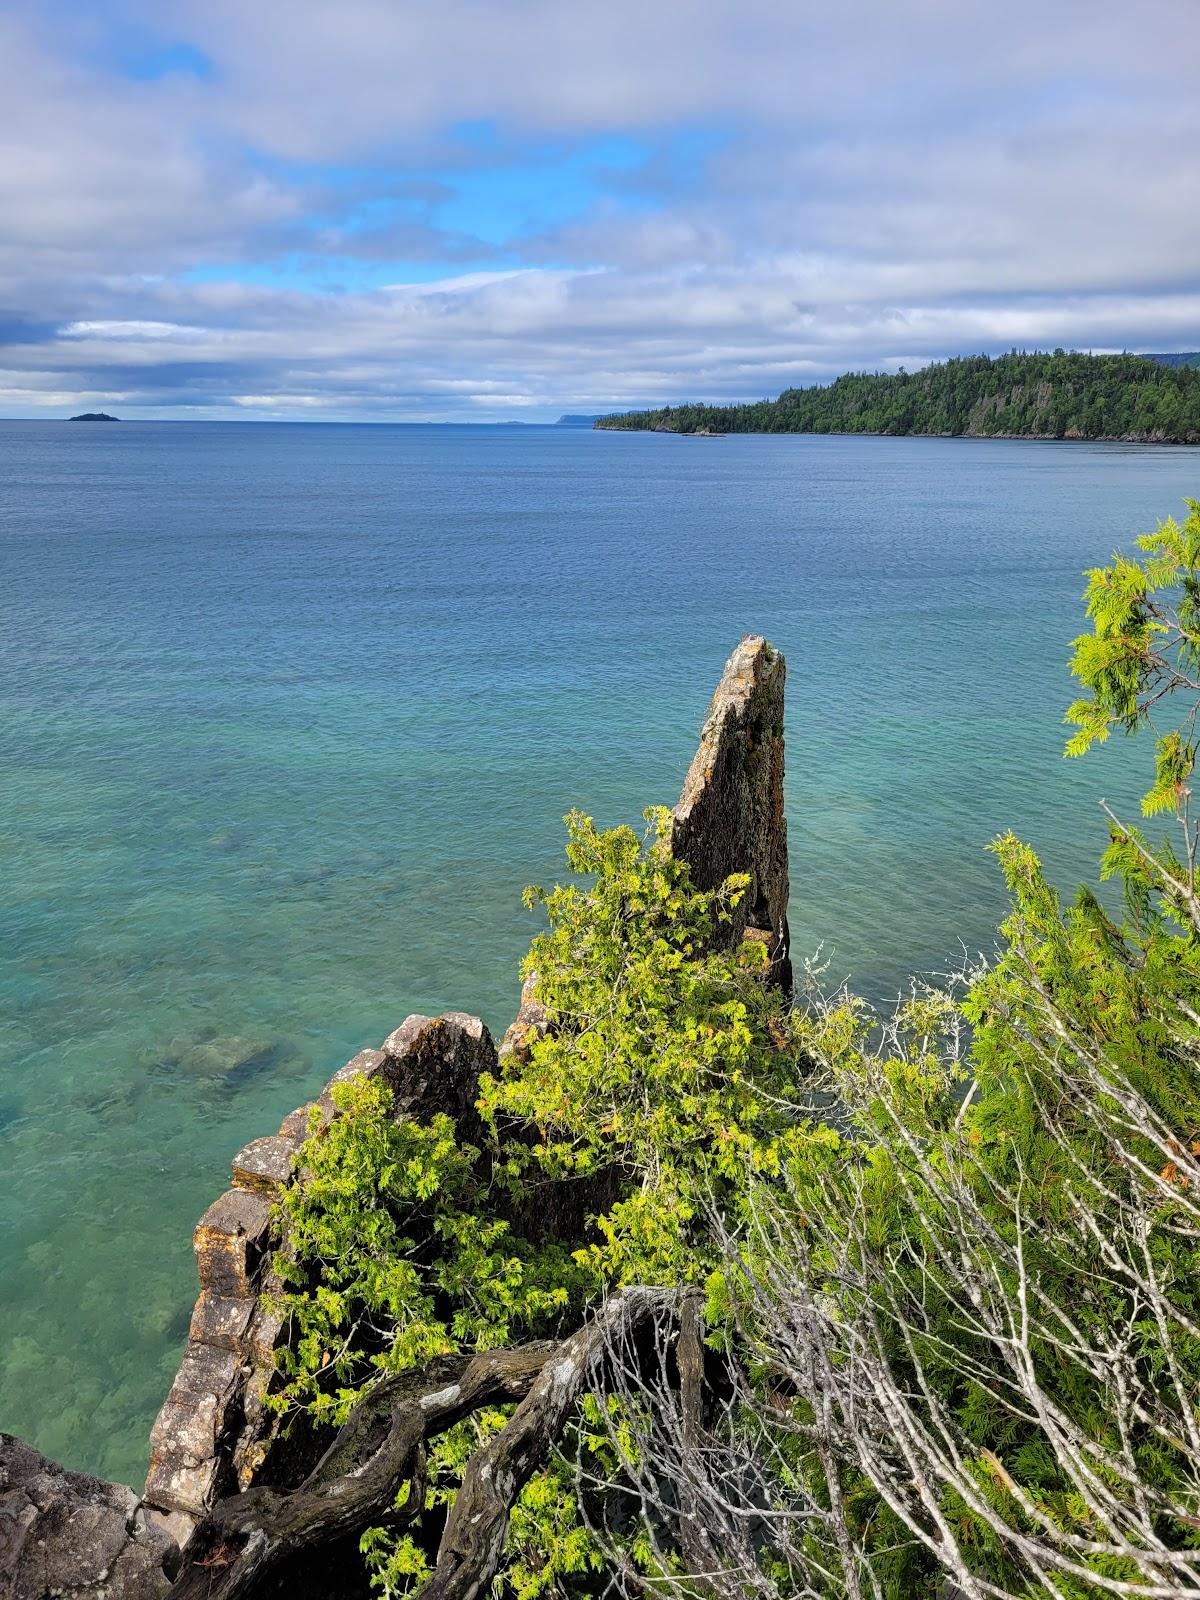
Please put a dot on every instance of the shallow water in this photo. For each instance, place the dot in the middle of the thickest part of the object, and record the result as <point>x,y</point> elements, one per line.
<point>289,714</point>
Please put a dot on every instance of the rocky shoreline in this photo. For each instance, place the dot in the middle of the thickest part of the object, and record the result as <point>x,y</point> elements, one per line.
<point>68,1534</point>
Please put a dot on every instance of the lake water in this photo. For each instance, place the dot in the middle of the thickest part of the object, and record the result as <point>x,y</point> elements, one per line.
<point>289,714</point>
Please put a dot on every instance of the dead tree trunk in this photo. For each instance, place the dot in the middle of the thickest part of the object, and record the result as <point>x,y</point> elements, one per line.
<point>473,1542</point>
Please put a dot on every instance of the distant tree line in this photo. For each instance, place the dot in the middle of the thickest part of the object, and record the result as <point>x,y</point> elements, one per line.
<point>1032,395</point>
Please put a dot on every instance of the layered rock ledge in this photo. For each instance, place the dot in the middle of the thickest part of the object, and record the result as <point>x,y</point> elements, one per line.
<point>213,1434</point>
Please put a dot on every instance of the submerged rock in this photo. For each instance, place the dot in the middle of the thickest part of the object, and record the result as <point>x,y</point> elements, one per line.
<point>228,1059</point>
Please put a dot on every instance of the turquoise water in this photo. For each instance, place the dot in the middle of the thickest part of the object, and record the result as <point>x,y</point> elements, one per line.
<point>289,714</point>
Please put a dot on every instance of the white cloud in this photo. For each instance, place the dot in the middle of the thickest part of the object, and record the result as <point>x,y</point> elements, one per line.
<point>891,182</point>
<point>136,331</point>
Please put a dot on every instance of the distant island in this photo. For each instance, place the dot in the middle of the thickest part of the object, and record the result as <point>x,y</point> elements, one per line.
<point>94,416</point>
<point>570,420</point>
<point>1063,395</point>
<point>1177,358</point>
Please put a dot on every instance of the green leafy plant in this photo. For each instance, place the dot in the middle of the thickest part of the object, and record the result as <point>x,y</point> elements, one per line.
<point>392,1260</point>
<point>667,1062</point>
<point>966,1343</point>
<point>1144,646</point>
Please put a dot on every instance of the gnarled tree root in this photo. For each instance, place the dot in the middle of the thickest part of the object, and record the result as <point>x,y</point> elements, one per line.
<point>356,1482</point>
<point>381,1448</point>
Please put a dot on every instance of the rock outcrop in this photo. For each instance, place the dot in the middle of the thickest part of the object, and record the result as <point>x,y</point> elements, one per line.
<point>67,1535</point>
<point>730,816</point>
<point>214,1435</point>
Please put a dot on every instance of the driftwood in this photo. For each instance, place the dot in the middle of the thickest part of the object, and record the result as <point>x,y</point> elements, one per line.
<point>381,1448</point>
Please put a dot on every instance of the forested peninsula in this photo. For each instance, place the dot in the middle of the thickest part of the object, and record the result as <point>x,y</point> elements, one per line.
<point>1025,396</point>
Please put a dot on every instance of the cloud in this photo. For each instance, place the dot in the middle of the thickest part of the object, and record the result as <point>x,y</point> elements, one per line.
<point>390,209</point>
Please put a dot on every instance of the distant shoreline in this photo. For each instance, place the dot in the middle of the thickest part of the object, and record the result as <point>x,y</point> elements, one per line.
<point>875,433</point>
<point>1055,396</point>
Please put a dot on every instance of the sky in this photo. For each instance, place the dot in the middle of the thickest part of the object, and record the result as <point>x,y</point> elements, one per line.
<point>484,210</point>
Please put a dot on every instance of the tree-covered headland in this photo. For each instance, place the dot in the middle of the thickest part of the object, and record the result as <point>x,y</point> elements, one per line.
<point>1027,395</point>
<point>854,1304</point>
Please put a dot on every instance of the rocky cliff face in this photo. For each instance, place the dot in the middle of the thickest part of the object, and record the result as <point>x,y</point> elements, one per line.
<point>214,1436</point>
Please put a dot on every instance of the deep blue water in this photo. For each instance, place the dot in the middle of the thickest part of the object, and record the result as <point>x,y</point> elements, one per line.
<point>289,714</point>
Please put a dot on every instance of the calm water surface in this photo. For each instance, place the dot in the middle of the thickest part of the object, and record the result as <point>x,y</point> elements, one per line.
<point>289,714</point>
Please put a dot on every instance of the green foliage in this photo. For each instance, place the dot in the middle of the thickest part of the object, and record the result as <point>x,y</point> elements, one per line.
<point>397,1563</point>
<point>1144,645</point>
<point>1022,1265</point>
<point>986,1269</point>
<point>668,1062</point>
<point>998,1212</point>
<point>550,1549</point>
<point>390,1261</point>
<point>1025,394</point>
<point>664,1080</point>
<point>1083,1046</point>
